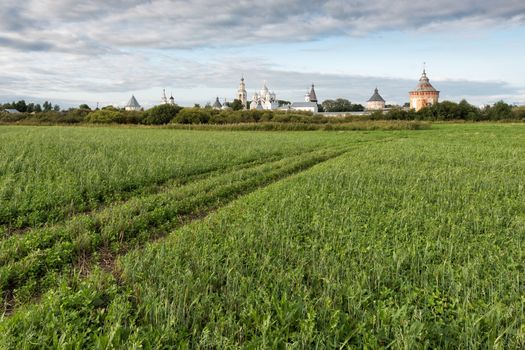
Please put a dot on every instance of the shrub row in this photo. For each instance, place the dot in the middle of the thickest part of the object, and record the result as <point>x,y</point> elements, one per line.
<point>455,111</point>
<point>166,114</point>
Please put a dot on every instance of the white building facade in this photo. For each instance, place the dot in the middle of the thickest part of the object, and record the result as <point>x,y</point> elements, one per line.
<point>264,100</point>
<point>305,107</point>
<point>242,95</point>
<point>376,102</point>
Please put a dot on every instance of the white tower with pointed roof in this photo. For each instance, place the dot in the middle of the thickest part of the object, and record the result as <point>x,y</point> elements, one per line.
<point>376,102</point>
<point>132,105</point>
<point>310,95</point>
<point>163,98</point>
<point>242,95</point>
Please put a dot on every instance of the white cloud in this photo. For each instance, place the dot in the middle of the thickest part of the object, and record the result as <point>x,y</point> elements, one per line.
<point>102,47</point>
<point>99,24</point>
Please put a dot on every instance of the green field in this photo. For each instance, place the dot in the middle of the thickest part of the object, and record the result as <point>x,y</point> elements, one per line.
<point>152,238</point>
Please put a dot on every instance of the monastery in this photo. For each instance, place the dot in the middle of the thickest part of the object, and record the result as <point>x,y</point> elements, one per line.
<point>422,96</point>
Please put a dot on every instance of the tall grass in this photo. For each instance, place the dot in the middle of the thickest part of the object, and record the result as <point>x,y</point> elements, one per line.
<point>411,243</point>
<point>50,173</point>
<point>29,262</point>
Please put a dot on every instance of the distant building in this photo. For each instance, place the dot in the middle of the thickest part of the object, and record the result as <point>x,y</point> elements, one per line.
<point>264,99</point>
<point>305,106</point>
<point>132,105</point>
<point>376,102</point>
<point>424,95</point>
<point>217,104</point>
<point>310,95</point>
<point>225,105</point>
<point>242,95</point>
<point>309,104</point>
<point>164,100</point>
<point>11,111</point>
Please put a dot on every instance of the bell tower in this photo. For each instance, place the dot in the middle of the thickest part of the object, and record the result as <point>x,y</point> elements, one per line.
<point>242,95</point>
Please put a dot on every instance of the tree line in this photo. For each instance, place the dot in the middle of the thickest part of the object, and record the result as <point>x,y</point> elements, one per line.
<point>450,111</point>
<point>165,114</point>
<point>24,107</point>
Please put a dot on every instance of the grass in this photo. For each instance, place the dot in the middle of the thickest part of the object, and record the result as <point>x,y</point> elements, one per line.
<point>50,173</point>
<point>335,125</point>
<point>30,260</point>
<point>393,240</point>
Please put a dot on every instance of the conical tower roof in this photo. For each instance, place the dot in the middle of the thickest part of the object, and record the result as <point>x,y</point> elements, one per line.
<point>133,103</point>
<point>217,103</point>
<point>312,95</point>
<point>376,97</point>
<point>424,84</point>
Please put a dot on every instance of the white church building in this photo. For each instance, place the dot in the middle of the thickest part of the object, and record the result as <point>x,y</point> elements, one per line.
<point>264,100</point>
<point>309,104</point>
<point>164,100</point>
<point>267,100</point>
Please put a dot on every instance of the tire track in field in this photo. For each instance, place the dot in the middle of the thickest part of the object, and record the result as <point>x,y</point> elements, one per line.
<point>29,272</point>
<point>156,188</point>
<point>99,237</point>
<point>131,192</point>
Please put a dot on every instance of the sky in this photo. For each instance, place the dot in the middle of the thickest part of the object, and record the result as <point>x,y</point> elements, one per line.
<point>99,51</point>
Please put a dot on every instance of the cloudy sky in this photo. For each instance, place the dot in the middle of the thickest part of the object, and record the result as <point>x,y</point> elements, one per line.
<point>73,52</point>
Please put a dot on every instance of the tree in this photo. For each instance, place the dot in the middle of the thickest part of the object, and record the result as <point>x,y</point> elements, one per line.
<point>84,106</point>
<point>338,105</point>
<point>357,108</point>
<point>236,105</point>
<point>194,116</point>
<point>47,106</point>
<point>38,108</point>
<point>21,106</point>
<point>161,114</point>
<point>104,116</point>
<point>519,113</point>
<point>56,108</point>
<point>500,110</point>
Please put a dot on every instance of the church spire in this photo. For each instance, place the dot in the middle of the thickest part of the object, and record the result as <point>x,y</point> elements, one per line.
<point>163,99</point>
<point>242,94</point>
<point>312,95</point>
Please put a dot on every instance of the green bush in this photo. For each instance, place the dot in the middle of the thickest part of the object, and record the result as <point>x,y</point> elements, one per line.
<point>104,116</point>
<point>11,117</point>
<point>194,116</point>
<point>519,113</point>
<point>162,114</point>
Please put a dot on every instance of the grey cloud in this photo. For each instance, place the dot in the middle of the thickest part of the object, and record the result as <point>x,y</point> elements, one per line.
<point>186,24</point>
<point>23,45</point>
<point>104,76</point>
<point>84,46</point>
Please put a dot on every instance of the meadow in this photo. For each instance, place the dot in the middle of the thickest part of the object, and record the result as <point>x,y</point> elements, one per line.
<point>156,238</point>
